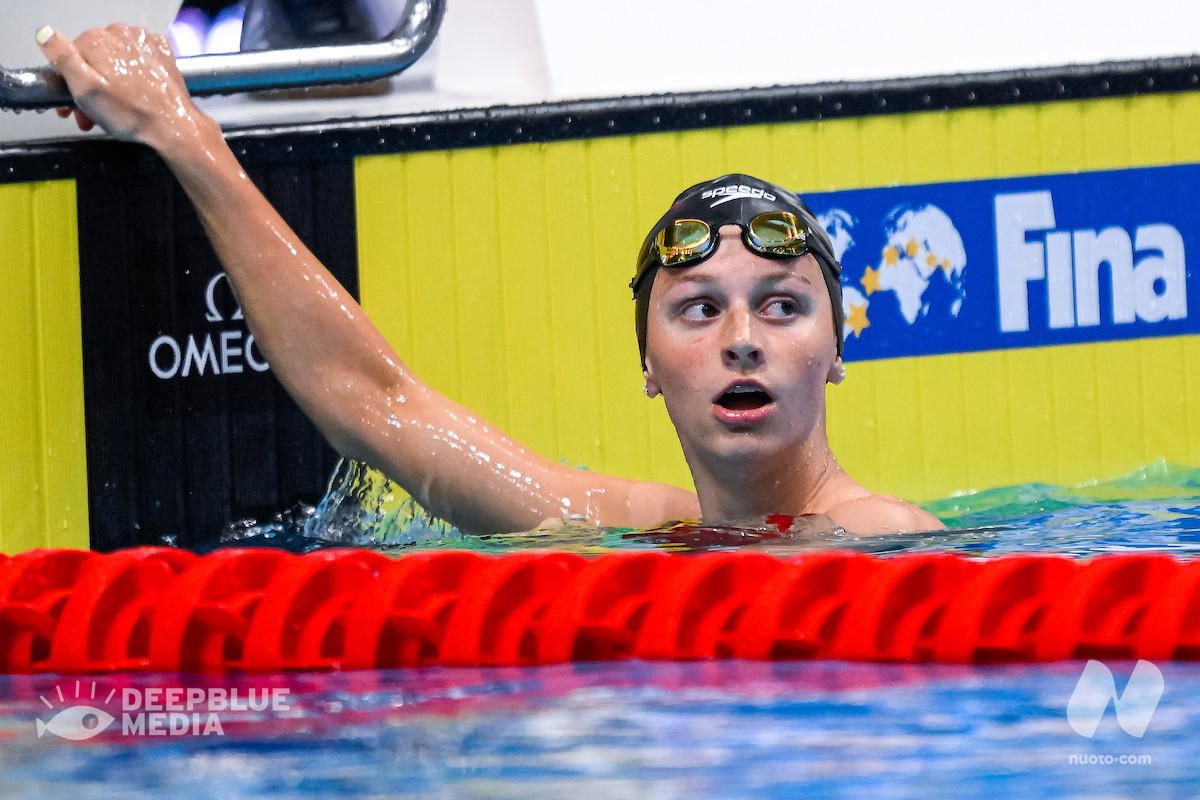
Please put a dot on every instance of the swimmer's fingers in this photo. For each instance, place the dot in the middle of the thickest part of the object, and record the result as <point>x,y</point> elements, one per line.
<point>84,122</point>
<point>122,78</point>
<point>67,61</point>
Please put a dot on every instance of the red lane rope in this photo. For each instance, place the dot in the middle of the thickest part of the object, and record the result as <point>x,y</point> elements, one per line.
<point>255,610</point>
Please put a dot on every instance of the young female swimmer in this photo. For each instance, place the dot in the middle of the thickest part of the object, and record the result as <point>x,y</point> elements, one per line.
<point>738,331</point>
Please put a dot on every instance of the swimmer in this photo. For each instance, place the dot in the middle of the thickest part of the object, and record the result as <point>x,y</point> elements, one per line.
<point>738,314</point>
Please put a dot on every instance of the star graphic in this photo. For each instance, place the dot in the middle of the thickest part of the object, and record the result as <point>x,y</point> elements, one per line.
<point>870,281</point>
<point>857,319</point>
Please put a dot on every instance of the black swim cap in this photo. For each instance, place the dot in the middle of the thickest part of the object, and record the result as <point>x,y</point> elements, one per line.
<point>736,199</point>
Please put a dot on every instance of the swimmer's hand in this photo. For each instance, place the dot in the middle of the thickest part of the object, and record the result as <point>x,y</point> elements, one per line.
<point>124,79</point>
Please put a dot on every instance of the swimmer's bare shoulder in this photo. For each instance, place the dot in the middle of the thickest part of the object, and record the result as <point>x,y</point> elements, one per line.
<point>652,503</point>
<point>882,513</point>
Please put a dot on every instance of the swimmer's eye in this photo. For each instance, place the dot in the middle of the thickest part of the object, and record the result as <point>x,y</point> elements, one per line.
<point>787,307</point>
<point>699,310</point>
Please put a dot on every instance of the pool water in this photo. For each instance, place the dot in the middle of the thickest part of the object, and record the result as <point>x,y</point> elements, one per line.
<point>715,729</point>
<point>727,729</point>
<point>1156,507</point>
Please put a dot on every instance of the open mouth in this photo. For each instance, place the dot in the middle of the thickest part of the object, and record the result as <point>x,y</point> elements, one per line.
<point>744,397</point>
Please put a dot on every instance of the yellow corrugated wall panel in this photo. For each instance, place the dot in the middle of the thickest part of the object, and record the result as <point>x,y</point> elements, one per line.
<point>1072,382</point>
<point>926,427</point>
<point>500,273</point>
<point>1106,139</point>
<point>478,292</point>
<point>972,147</point>
<point>43,457</point>
<point>1148,145</point>
<point>837,160</point>
<point>1159,372</point>
<point>1061,138</point>
<point>926,143</point>
<point>1191,411</point>
<point>1017,139</point>
<point>1181,123</point>
<point>628,430</point>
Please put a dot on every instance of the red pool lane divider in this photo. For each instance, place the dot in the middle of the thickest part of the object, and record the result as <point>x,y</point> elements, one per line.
<point>256,610</point>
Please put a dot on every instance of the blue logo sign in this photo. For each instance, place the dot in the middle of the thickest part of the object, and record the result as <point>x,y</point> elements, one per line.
<point>1018,262</point>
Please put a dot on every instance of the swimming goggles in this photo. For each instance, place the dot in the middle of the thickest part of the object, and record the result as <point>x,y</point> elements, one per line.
<point>775,234</point>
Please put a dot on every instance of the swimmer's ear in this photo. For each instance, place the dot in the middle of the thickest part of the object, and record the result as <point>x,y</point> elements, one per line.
<point>652,388</point>
<point>837,372</point>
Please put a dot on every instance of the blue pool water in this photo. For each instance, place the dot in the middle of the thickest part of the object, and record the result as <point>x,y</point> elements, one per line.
<point>729,729</point>
<point>721,729</point>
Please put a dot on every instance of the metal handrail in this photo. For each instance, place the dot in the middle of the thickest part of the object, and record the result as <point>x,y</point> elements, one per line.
<point>250,71</point>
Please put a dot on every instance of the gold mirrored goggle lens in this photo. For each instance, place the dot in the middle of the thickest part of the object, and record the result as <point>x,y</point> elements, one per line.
<point>778,233</point>
<point>772,233</point>
<point>682,241</point>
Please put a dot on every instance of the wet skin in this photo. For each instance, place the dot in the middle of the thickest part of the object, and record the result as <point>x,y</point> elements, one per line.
<point>741,348</point>
<point>764,325</point>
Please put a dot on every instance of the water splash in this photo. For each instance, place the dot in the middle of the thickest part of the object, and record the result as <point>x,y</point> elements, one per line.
<point>362,507</point>
<point>1155,507</point>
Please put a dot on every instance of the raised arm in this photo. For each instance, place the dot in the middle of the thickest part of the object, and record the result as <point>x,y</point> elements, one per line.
<point>321,346</point>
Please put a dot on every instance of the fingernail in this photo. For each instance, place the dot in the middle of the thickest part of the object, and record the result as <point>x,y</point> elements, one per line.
<point>44,34</point>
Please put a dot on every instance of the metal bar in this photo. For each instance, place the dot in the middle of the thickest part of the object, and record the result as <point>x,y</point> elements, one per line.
<point>259,70</point>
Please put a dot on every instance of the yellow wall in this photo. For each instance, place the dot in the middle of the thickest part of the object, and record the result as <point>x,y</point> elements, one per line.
<point>43,472</point>
<point>500,274</point>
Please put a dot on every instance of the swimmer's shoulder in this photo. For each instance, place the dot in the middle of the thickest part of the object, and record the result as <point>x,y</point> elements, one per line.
<point>882,513</point>
<point>619,502</point>
<point>651,503</point>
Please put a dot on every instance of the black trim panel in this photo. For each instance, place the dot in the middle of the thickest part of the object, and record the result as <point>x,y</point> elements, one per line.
<point>585,119</point>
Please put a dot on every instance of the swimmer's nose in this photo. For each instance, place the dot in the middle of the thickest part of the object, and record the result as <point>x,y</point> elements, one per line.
<point>740,351</point>
<point>742,356</point>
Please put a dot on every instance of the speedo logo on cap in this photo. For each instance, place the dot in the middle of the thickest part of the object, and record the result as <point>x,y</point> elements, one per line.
<point>726,193</point>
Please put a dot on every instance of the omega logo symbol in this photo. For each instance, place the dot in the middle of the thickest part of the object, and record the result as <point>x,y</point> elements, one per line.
<point>210,300</point>
<point>223,352</point>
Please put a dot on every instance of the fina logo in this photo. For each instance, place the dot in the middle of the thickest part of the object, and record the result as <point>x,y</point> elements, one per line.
<point>1134,707</point>
<point>1029,248</point>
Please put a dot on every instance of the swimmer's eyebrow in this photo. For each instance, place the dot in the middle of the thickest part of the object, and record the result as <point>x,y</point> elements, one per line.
<point>781,275</point>
<point>694,276</point>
